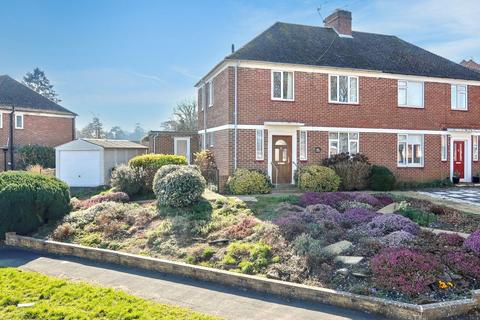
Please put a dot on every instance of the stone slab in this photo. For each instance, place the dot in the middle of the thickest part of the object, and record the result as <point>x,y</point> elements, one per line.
<point>349,260</point>
<point>391,208</point>
<point>337,248</point>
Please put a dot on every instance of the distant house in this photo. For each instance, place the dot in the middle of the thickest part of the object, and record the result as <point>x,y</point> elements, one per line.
<point>471,64</point>
<point>36,119</point>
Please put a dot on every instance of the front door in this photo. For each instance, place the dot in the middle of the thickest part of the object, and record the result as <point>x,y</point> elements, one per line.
<point>459,158</point>
<point>182,147</point>
<point>282,159</point>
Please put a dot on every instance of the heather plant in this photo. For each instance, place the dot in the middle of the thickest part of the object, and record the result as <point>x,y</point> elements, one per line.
<point>345,205</point>
<point>128,179</point>
<point>472,243</point>
<point>306,246</point>
<point>396,239</point>
<point>385,224</point>
<point>383,199</point>
<point>322,213</point>
<point>404,270</point>
<point>355,216</point>
<point>450,239</point>
<point>292,225</point>
<point>243,228</point>
<point>464,263</point>
<point>249,258</point>
<point>328,198</point>
<point>366,198</point>
<point>107,197</point>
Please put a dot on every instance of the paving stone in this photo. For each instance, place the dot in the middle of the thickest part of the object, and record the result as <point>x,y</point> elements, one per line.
<point>349,260</point>
<point>337,248</point>
<point>391,208</point>
<point>343,271</point>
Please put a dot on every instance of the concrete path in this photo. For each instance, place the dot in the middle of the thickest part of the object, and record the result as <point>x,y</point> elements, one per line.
<point>223,301</point>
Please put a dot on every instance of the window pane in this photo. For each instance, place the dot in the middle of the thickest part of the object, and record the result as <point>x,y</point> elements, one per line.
<point>353,147</point>
<point>417,154</point>
<point>462,101</point>
<point>343,142</point>
<point>259,145</point>
<point>454,96</point>
<point>19,121</point>
<point>353,89</point>
<point>415,138</point>
<point>415,94</point>
<point>303,144</point>
<point>277,85</point>
<point>333,147</point>
<point>333,135</point>
<point>287,85</point>
<point>333,88</point>
<point>475,148</point>
<point>402,137</point>
<point>401,153</point>
<point>353,136</point>
<point>444,148</point>
<point>409,153</point>
<point>402,96</point>
<point>343,89</point>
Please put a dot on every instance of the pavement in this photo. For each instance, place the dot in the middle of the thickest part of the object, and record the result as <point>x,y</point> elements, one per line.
<point>460,194</point>
<point>223,301</point>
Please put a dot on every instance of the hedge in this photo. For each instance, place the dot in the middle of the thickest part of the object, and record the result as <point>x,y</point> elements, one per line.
<point>34,154</point>
<point>245,181</point>
<point>318,179</point>
<point>28,200</point>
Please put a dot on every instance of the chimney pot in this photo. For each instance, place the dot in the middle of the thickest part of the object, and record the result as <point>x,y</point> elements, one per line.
<point>341,21</point>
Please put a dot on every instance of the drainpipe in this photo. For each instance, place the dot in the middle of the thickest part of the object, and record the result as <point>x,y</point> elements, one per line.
<point>155,143</point>
<point>204,106</point>
<point>12,119</point>
<point>235,116</point>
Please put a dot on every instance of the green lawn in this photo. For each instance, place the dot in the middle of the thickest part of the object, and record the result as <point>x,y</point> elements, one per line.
<point>57,299</point>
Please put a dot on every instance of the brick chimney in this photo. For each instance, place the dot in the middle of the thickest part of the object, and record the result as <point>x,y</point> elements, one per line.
<point>341,21</point>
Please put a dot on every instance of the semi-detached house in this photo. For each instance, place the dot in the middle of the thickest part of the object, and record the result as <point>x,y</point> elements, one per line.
<point>297,94</point>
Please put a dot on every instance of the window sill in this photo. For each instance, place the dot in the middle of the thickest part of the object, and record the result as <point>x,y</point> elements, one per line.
<point>411,107</point>
<point>463,110</point>
<point>344,103</point>
<point>410,166</point>
<point>284,100</point>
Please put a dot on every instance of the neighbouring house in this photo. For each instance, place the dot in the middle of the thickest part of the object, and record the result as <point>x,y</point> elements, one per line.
<point>471,64</point>
<point>297,94</point>
<point>36,119</point>
<point>174,142</point>
<point>90,162</point>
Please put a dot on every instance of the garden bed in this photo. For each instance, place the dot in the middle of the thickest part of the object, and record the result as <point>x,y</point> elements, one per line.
<point>331,240</point>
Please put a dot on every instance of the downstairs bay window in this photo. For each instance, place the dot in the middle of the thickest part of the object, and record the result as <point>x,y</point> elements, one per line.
<point>342,142</point>
<point>410,150</point>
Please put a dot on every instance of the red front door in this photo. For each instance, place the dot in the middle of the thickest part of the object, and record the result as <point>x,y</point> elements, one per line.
<point>459,158</point>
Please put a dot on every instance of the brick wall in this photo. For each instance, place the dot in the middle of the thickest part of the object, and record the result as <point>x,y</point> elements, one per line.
<point>164,143</point>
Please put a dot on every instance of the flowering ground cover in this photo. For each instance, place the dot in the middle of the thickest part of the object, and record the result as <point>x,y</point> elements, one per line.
<point>336,240</point>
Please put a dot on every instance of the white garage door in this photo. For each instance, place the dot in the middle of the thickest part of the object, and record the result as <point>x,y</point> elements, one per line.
<point>80,168</point>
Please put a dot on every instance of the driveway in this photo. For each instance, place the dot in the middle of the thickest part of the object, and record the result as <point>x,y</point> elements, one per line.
<point>223,301</point>
<point>461,195</point>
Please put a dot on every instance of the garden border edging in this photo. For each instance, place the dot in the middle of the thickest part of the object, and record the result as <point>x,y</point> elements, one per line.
<point>394,309</point>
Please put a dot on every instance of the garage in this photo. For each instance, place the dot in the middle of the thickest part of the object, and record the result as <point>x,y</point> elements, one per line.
<point>89,162</point>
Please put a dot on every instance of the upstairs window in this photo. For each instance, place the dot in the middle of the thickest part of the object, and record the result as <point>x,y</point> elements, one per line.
<point>342,142</point>
<point>343,89</point>
<point>410,94</point>
<point>459,97</point>
<point>19,121</point>
<point>259,144</point>
<point>303,145</point>
<point>210,94</point>
<point>410,150</point>
<point>282,85</point>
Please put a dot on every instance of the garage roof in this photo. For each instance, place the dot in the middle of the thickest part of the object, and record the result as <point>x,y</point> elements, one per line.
<point>115,144</point>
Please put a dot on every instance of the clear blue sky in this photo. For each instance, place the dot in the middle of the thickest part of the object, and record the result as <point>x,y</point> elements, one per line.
<point>131,61</point>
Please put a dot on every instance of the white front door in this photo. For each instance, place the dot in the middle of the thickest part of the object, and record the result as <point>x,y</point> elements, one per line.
<point>182,147</point>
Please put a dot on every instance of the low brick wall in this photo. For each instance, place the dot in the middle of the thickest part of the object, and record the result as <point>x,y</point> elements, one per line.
<point>385,307</point>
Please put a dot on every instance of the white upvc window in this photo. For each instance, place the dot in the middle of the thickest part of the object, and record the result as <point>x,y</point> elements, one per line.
<point>303,145</point>
<point>210,139</point>
<point>343,89</point>
<point>282,85</point>
<point>475,148</point>
<point>210,93</point>
<point>343,142</point>
<point>444,147</point>
<point>18,121</point>
<point>201,102</point>
<point>259,140</point>
<point>1,120</point>
<point>410,150</point>
<point>410,94</point>
<point>459,97</point>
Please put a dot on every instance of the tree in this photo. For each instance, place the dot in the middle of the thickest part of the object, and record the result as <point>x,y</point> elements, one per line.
<point>38,82</point>
<point>184,117</point>
<point>116,133</point>
<point>93,130</point>
<point>138,133</point>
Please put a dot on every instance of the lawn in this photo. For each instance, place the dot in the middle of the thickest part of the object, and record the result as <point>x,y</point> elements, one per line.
<point>54,298</point>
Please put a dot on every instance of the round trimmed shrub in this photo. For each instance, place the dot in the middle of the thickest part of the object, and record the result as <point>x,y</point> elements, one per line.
<point>151,162</point>
<point>245,181</point>
<point>318,178</point>
<point>178,186</point>
<point>472,243</point>
<point>381,179</point>
<point>387,223</point>
<point>128,179</point>
<point>28,200</point>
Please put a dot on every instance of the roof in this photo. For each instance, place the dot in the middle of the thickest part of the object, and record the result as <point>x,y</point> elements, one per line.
<point>115,144</point>
<point>320,46</point>
<point>471,64</point>
<point>14,93</point>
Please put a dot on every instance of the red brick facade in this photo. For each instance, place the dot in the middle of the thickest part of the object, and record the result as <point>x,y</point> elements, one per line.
<point>376,111</point>
<point>164,142</point>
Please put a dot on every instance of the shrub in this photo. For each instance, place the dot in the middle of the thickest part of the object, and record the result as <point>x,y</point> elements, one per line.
<point>34,154</point>
<point>366,198</point>
<point>250,258</point>
<point>107,197</point>
<point>345,205</point>
<point>63,232</point>
<point>353,174</point>
<point>178,186</point>
<point>128,179</point>
<point>205,161</point>
<point>150,163</point>
<point>243,228</point>
<point>322,213</point>
<point>387,223</point>
<point>405,270</point>
<point>381,179</point>
<point>343,157</point>
<point>396,239</point>
<point>423,218</point>
<point>28,200</point>
<point>291,225</point>
<point>464,263</point>
<point>450,239</point>
<point>306,246</point>
<point>245,181</point>
<point>356,216</point>
<point>472,243</point>
<point>436,183</point>
<point>318,179</point>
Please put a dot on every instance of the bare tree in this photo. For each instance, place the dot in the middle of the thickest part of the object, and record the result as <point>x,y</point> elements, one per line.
<point>184,117</point>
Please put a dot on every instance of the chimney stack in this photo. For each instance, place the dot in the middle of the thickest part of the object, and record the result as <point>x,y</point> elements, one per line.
<point>341,21</point>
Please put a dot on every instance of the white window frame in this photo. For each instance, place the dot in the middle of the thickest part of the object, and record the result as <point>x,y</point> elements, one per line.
<point>210,139</point>
<point>259,147</point>
<point>457,87</point>
<point>422,146</point>
<point>281,85</point>
<point>444,147</point>
<point>338,142</point>
<point>475,148</point>
<point>407,105</point>
<point>1,120</point>
<point>23,121</point>
<point>210,94</point>
<point>330,76</point>
<point>303,145</point>
<point>175,147</point>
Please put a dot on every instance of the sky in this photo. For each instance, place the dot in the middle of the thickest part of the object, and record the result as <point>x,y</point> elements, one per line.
<point>131,61</point>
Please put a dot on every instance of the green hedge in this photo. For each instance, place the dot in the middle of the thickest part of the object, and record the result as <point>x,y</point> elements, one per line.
<point>34,154</point>
<point>318,179</point>
<point>151,162</point>
<point>381,179</point>
<point>245,181</point>
<point>28,200</point>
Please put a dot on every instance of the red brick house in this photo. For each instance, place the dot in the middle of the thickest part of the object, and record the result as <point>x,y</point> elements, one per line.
<point>297,94</point>
<point>36,120</point>
<point>471,64</point>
